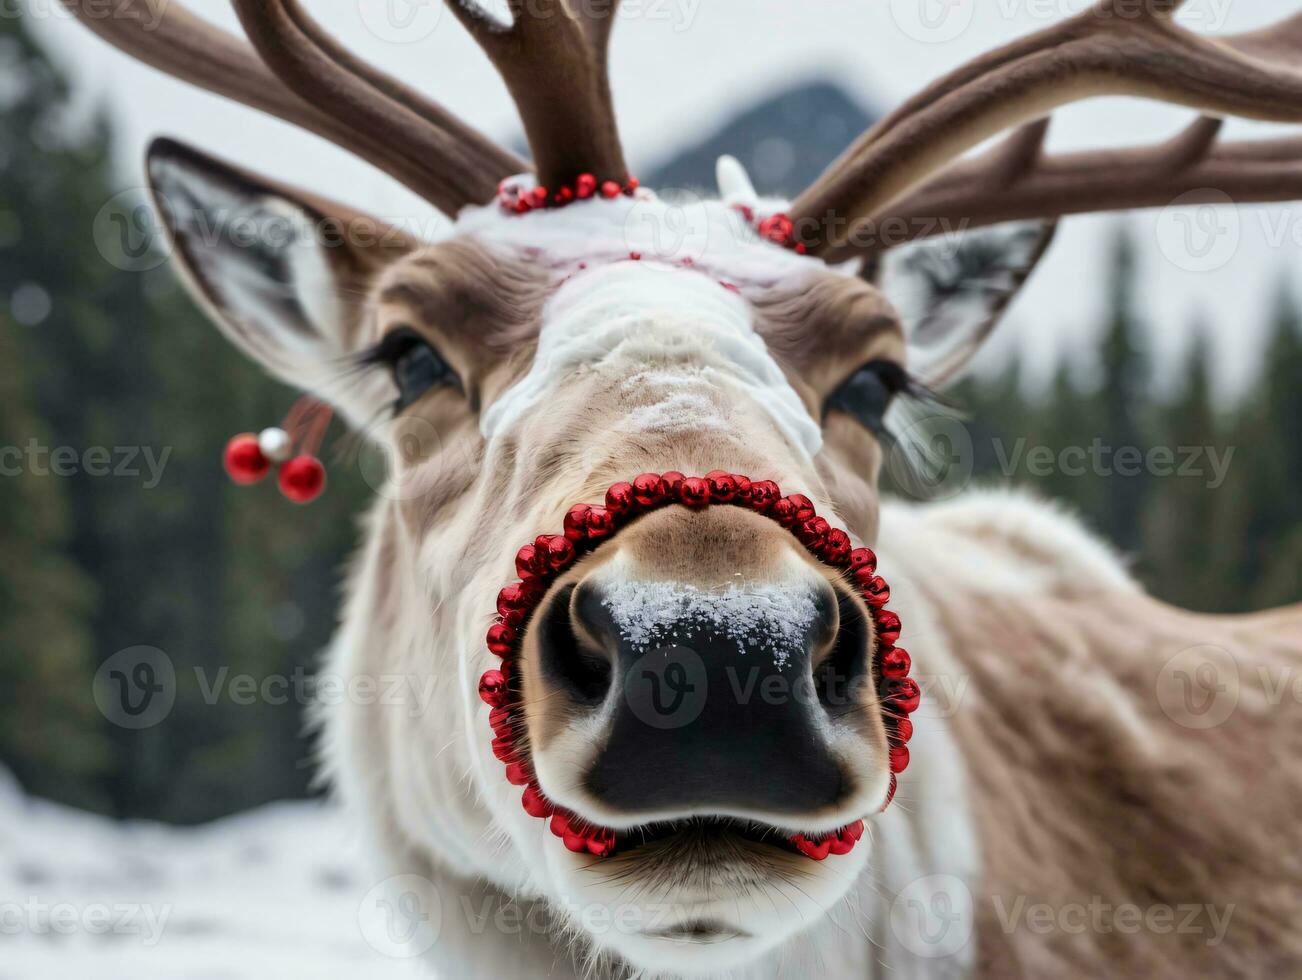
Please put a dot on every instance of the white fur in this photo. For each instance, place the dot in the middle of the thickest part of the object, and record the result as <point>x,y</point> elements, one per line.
<point>734,183</point>
<point>645,303</point>
<point>710,236</point>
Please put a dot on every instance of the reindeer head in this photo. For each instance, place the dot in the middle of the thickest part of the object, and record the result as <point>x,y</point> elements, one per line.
<point>529,361</point>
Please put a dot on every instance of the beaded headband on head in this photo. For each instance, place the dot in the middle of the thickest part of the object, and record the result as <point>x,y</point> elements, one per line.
<point>585,526</point>
<point>519,195</point>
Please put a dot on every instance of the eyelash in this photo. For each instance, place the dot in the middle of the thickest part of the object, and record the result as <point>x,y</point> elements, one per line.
<point>388,354</point>
<point>869,407</point>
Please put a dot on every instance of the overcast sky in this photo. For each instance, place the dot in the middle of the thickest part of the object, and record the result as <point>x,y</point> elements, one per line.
<point>680,65</point>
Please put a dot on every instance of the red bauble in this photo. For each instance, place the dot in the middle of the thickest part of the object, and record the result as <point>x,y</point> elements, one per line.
<point>648,489</point>
<point>619,498</point>
<point>896,663</point>
<point>818,850</point>
<point>500,639</point>
<point>535,804</point>
<point>899,758</point>
<point>244,460</point>
<point>904,694</point>
<point>723,486</point>
<point>888,626</point>
<point>877,593</point>
<point>517,774</point>
<point>863,558</point>
<point>694,492</point>
<point>504,748</point>
<point>600,523</point>
<point>302,479</point>
<point>576,522</point>
<point>804,507</point>
<point>600,842</point>
<point>560,552</point>
<point>492,688</point>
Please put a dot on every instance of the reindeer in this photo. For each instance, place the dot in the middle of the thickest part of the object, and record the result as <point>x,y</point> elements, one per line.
<point>537,356</point>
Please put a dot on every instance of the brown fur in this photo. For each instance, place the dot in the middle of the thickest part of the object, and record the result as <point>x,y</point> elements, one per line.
<point>1084,786</point>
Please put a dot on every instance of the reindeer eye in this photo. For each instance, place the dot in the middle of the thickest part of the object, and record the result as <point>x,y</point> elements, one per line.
<point>416,366</point>
<point>868,393</point>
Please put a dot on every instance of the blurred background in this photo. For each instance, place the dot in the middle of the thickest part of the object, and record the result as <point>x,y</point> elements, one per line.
<point>118,529</point>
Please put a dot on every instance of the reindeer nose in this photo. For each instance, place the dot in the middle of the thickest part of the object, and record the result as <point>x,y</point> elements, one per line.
<point>721,695</point>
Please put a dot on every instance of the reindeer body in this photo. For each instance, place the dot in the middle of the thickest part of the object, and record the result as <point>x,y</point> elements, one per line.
<point>580,333</point>
<point>1047,774</point>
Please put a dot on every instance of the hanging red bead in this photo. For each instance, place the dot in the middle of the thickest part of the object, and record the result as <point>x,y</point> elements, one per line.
<point>302,479</point>
<point>584,527</point>
<point>244,461</point>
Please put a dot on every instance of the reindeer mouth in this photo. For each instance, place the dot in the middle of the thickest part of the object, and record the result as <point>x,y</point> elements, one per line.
<point>703,835</point>
<point>585,527</point>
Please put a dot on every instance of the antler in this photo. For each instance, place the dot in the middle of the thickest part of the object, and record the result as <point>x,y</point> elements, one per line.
<point>552,57</point>
<point>1117,47</point>
<point>456,164</point>
<point>1016,181</point>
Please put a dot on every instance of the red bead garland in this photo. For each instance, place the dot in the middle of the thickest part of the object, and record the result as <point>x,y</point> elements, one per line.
<point>777,228</point>
<point>519,198</point>
<point>585,526</point>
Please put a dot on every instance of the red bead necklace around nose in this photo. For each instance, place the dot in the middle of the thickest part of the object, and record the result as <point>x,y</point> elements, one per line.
<point>585,527</point>
<point>290,448</point>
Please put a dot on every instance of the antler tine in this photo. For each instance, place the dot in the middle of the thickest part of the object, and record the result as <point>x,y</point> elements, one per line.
<point>459,166</point>
<point>183,45</point>
<point>554,64</point>
<point>985,190</point>
<point>1099,52</point>
<point>454,165</point>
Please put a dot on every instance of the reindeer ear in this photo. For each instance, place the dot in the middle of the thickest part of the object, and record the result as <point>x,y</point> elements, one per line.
<point>281,272</point>
<point>952,293</point>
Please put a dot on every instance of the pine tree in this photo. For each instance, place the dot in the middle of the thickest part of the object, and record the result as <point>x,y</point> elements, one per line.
<point>50,731</point>
<point>1186,562</point>
<point>217,577</point>
<point>1123,399</point>
<point>1269,441</point>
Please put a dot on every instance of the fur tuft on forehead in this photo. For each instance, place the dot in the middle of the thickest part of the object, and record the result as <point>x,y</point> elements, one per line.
<point>687,230</point>
<point>647,313</point>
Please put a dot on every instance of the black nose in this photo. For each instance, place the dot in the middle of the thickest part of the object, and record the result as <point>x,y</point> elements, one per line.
<point>720,698</point>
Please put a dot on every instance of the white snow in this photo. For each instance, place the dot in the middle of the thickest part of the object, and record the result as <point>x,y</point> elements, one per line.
<point>756,616</point>
<point>281,891</point>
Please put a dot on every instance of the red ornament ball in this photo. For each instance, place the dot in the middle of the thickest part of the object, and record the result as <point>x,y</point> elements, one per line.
<point>302,479</point>
<point>619,498</point>
<point>896,663</point>
<point>244,460</point>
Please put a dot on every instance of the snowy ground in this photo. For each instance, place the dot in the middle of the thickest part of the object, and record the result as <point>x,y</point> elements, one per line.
<point>282,891</point>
